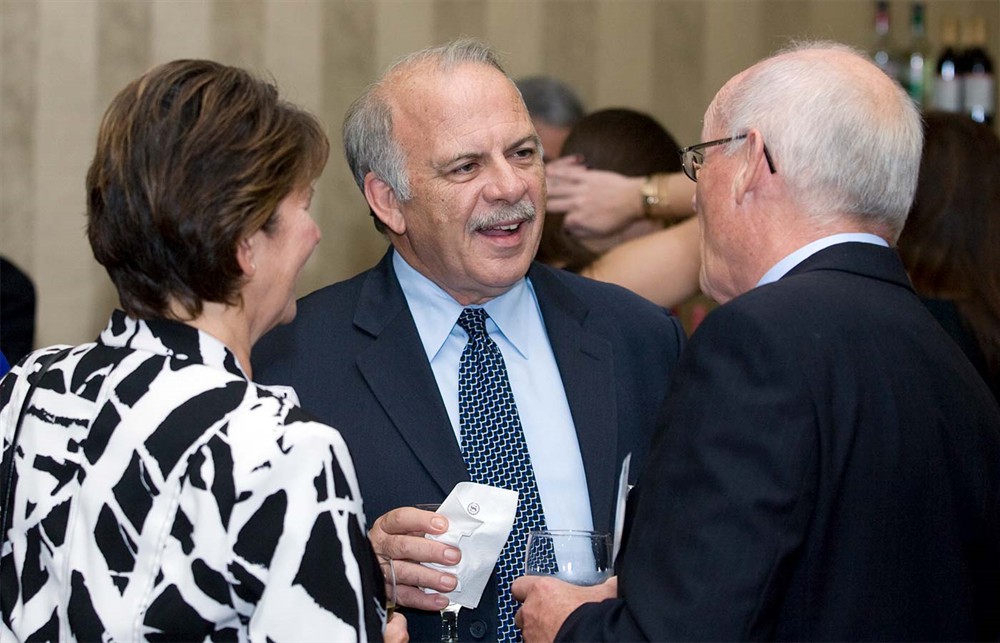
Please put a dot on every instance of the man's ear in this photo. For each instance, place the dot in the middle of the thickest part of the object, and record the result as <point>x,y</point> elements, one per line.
<point>752,168</point>
<point>245,254</point>
<point>384,203</point>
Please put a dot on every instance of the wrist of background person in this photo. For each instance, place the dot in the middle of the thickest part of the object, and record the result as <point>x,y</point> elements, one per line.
<point>666,196</point>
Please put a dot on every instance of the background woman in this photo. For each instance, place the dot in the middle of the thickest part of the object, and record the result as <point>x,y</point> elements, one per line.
<point>622,174</point>
<point>159,493</point>
<point>623,141</point>
<point>951,241</point>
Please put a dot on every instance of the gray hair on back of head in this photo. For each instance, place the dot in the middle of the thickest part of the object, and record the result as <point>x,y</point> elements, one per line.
<point>843,142</point>
<point>369,143</point>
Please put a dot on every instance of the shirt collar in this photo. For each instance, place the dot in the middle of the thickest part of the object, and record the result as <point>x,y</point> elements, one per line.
<point>173,339</point>
<point>435,312</point>
<point>781,268</point>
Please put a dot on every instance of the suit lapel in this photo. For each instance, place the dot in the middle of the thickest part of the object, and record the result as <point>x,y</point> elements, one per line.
<point>400,377</point>
<point>586,365</point>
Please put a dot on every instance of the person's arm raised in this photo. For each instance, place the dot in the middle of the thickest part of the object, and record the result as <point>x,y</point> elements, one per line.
<point>598,203</point>
<point>662,266</point>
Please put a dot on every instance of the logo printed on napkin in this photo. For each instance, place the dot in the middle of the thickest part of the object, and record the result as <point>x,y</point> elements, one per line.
<point>480,518</point>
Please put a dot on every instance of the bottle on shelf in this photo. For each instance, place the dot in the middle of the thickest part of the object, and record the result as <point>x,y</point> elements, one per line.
<point>918,64</point>
<point>978,78</point>
<point>882,52</point>
<point>947,79</point>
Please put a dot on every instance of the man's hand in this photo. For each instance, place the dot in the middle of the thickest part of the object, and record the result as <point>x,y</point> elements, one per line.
<point>395,630</point>
<point>597,203</point>
<point>549,601</point>
<point>399,535</point>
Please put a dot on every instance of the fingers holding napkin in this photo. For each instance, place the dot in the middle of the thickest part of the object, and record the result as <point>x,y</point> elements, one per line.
<point>480,518</point>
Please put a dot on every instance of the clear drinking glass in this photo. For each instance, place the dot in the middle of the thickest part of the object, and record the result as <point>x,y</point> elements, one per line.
<point>390,599</point>
<point>578,557</point>
<point>449,615</point>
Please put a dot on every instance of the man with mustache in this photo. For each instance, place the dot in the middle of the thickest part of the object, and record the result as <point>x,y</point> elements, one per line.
<point>451,166</point>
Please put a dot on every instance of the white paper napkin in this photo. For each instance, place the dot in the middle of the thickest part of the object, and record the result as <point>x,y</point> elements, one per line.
<point>480,518</point>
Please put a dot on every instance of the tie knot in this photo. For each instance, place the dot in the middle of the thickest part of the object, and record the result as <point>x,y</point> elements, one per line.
<point>473,321</point>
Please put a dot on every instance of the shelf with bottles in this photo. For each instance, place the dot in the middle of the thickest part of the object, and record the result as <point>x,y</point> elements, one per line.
<point>965,79</point>
<point>956,73</point>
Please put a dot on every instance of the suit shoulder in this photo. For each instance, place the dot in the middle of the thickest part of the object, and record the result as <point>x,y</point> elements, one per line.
<point>610,299</point>
<point>323,313</point>
<point>331,295</point>
<point>607,305</point>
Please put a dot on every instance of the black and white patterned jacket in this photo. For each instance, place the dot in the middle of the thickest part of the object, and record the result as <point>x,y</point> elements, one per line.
<point>162,495</point>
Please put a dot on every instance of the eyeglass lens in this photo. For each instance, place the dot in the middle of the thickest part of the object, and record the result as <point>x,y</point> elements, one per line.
<point>691,162</point>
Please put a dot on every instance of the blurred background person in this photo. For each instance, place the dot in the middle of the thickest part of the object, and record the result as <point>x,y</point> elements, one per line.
<point>17,311</point>
<point>598,202</point>
<point>951,242</point>
<point>659,264</point>
<point>554,109</point>
<point>619,140</point>
<point>160,493</point>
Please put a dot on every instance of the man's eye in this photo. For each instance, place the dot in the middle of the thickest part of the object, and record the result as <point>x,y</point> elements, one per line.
<point>465,169</point>
<point>525,153</point>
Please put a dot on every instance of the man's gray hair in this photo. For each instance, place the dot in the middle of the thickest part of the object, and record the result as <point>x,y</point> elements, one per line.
<point>550,101</point>
<point>369,143</point>
<point>842,143</point>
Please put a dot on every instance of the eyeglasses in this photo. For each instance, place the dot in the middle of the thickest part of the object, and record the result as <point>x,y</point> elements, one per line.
<point>692,157</point>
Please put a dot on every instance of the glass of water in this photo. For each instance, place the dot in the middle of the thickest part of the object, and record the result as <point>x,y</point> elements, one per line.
<point>449,615</point>
<point>578,557</point>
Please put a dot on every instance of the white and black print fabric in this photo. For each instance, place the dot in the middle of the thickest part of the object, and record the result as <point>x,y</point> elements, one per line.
<point>159,494</point>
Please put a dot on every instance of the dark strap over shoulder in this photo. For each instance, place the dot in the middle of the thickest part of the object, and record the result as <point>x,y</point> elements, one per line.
<point>7,474</point>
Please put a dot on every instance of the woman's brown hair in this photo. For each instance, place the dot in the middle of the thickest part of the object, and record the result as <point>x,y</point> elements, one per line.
<point>951,241</point>
<point>192,157</point>
<point>617,140</point>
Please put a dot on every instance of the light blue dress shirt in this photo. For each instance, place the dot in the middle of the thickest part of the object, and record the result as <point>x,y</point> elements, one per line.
<point>516,325</point>
<point>781,268</point>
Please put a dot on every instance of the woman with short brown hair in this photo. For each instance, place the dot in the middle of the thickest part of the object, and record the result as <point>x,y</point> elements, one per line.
<point>158,492</point>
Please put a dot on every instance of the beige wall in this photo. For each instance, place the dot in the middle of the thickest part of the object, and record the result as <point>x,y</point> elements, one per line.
<point>61,61</point>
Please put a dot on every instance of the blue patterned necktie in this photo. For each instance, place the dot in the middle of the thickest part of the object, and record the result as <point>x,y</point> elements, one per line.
<point>495,451</point>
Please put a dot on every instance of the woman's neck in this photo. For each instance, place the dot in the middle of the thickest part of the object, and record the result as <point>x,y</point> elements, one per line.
<point>226,323</point>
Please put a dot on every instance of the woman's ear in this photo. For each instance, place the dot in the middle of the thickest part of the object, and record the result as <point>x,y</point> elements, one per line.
<point>384,203</point>
<point>245,254</point>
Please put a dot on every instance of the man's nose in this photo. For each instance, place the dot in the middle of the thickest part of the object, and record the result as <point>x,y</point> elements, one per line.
<point>507,183</point>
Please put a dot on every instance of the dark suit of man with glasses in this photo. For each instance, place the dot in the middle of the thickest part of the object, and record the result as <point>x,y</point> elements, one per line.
<point>828,462</point>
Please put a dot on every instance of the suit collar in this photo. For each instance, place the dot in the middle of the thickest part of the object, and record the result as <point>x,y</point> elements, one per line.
<point>862,259</point>
<point>381,299</point>
<point>396,370</point>
<point>779,269</point>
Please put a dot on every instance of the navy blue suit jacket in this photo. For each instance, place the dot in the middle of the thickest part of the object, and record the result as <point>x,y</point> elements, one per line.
<point>828,468</point>
<point>354,357</point>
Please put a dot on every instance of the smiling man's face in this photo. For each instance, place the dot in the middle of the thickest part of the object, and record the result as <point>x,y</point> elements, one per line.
<point>477,181</point>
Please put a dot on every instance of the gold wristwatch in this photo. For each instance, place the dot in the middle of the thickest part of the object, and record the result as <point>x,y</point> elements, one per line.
<point>650,196</point>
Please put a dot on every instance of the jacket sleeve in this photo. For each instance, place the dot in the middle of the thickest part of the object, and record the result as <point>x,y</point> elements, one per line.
<point>301,562</point>
<point>724,498</point>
